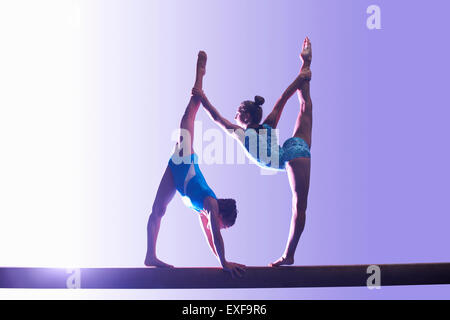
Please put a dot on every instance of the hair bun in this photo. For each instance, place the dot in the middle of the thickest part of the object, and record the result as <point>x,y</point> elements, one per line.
<point>259,101</point>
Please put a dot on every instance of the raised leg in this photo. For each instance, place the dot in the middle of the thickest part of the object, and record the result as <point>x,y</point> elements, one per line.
<point>306,54</point>
<point>303,125</point>
<point>299,169</point>
<point>299,175</point>
<point>201,70</point>
<point>190,113</point>
<point>305,75</point>
<point>166,191</point>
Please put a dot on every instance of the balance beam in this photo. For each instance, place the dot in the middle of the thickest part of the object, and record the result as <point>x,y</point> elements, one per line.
<point>209,278</point>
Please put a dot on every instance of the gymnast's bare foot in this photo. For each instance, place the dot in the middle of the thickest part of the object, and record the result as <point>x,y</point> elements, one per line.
<point>306,55</point>
<point>282,262</point>
<point>155,262</point>
<point>201,69</point>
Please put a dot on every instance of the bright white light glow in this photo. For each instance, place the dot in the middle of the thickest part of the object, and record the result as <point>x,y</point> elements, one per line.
<point>41,133</point>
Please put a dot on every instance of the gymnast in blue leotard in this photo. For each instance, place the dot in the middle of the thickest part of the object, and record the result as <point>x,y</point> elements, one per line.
<point>183,175</point>
<point>191,184</point>
<point>261,143</point>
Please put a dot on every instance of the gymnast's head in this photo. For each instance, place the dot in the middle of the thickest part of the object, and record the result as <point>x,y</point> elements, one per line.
<point>250,112</point>
<point>227,212</point>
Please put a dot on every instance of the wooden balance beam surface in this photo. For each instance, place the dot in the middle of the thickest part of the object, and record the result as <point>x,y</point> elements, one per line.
<point>208,278</point>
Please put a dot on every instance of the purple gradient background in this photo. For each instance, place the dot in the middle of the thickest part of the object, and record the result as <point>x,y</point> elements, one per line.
<point>380,174</point>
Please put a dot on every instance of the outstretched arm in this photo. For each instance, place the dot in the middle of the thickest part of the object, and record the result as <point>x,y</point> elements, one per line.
<point>305,76</point>
<point>274,117</point>
<point>208,235</point>
<point>212,208</point>
<point>215,115</point>
<point>186,139</point>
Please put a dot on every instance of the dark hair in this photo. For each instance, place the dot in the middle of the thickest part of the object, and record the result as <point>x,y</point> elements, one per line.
<point>227,211</point>
<point>253,108</point>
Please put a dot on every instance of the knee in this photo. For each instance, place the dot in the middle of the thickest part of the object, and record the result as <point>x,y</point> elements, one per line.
<point>300,203</point>
<point>301,206</point>
<point>158,211</point>
<point>299,215</point>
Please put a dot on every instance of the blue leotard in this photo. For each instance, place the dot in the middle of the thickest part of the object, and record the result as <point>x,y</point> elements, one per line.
<point>189,181</point>
<point>262,146</point>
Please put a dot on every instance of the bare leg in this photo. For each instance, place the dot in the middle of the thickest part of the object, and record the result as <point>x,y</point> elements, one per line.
<point>165,194</point>
<point>188,119</point>
<point>201,69</point>
<point>166,190</point>
<point>305,75</point>
<point>299,169</point>
<point>298,173</point>
<point>303,125</point>
<point>306,54</point>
